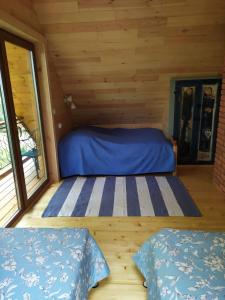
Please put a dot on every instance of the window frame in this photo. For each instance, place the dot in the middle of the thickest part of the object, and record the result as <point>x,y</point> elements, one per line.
<point>24,202</point>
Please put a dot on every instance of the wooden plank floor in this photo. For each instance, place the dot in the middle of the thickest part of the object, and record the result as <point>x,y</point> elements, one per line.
<point>120,237</point>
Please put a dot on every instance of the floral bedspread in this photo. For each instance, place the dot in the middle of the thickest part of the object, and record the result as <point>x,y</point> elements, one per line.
<point>180,264</point>
<point>38,264</point>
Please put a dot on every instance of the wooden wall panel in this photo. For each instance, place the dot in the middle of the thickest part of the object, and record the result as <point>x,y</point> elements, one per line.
<point>61,112</point>
<point>19,17</point>
<point>21,10</point>
<point>22,86</point>
<point>117,57</point>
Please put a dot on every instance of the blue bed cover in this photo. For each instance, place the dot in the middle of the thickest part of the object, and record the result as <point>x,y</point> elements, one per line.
<point>47,263</point>
<point>118,151</point>
<point>183,265</point>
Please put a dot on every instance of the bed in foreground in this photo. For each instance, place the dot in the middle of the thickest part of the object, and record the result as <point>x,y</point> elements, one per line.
<point>179,264</point>
<point>49,263</point>
<point>118,151</point>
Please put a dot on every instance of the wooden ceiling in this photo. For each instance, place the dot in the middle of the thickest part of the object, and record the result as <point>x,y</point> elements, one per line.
<point>117,57</point>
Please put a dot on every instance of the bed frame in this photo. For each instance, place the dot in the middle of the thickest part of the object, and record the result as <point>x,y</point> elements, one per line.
<point>174,142</point>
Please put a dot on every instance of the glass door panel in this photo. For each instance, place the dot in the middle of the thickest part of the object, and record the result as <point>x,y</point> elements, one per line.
<point>207,123</point>
<point>9,204</point>
<point>25,100</point>
<point>196,113</point>
<point>186,126</point>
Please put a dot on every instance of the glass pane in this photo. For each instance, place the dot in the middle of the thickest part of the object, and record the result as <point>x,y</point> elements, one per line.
<point>186,126</point>
<point>208,107</point>
<point>8,194</point>
<point>23,83</point>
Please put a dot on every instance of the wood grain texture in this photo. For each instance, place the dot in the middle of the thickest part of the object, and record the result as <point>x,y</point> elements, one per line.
<point>117,57</point>
<point>24,98</point>
<point>121,237</point>
<point>19,18</point>
<point>61,112</point>
<point>22,10</point>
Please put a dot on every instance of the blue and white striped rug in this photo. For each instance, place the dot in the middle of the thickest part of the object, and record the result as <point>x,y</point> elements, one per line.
<point>121,196</point>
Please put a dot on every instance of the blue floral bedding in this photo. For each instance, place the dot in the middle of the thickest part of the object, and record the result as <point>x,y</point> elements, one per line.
<point>38,264</point>
<point>179,264</point>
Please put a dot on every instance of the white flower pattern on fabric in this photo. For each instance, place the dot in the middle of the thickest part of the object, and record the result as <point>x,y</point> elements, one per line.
<point>183,265</point>
<point>40,260</point>
<point>214,262</point>
<point>165,291</point>
<point>99,264</point>
<point>64,277</point>
<point>26,296</point>
<point>9,265</point>
<point>219,242</point>
<point>51,237</point>
<point>30,279</point>
<point>49,264</point>
<point>6,282</point>
<point>77,253</point>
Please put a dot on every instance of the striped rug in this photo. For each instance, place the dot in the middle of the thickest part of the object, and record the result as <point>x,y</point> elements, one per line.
<point>121,196</point>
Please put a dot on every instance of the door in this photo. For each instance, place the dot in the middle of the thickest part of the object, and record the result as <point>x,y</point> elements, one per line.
<point>208,121</point>
<point>9,193</point>
<point>21,105</point>
<point>195,119</point>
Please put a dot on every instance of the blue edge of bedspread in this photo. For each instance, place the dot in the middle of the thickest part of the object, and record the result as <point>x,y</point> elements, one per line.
<point>49,263</point>
<point>183,264</point>
<point>118,151</point>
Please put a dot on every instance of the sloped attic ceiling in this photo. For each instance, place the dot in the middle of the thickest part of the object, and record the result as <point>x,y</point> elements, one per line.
<point>117,57</point>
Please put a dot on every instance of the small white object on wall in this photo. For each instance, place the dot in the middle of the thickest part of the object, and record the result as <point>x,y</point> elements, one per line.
<point>73,105</point>
<point>68,99</point>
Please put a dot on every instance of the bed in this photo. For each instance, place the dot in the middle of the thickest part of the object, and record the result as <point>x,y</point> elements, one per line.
<point>118,151</point>
<point>180,264</point>
<point>49,263</point>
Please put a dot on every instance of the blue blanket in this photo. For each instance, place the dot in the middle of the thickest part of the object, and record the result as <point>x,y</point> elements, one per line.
<point>182,264</point>
<point>100,151</point>
<point>49,263</point>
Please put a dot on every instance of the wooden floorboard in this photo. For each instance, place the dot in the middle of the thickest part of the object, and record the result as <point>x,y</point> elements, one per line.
<point>120,237</point>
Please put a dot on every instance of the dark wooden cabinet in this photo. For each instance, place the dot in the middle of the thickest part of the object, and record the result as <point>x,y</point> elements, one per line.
<point>195,119</point>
